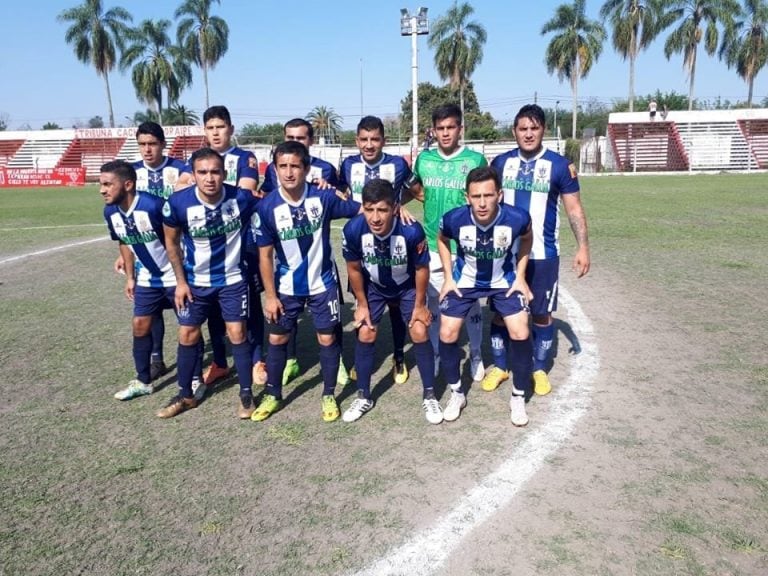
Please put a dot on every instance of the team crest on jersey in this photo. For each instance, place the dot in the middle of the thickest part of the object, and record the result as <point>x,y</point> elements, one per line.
<point>399,249</point>
<point>166,209</point>
<point>229,210</point>
<point>572,170</point>
<point>130,224</point>
<point>298,214</point>
<point>142,222</point>
<point>155,177</point>
<point>542,172</point>
<point>252,162</point>
<point>314,211</point>
<point>502,241</point>
<point>484,240</point>
<point>465,168</point>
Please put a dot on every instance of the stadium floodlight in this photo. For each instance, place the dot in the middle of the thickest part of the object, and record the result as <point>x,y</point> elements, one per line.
<point>414,25</point>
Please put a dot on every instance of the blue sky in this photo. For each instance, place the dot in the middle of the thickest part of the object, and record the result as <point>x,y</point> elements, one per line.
<point>287,57</point>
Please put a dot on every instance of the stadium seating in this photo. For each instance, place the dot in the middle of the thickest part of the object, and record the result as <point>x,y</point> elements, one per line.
<point>8,149</point>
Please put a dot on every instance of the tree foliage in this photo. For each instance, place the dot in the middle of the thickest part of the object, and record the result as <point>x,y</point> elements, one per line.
<point>326,123</point>
<point>745,44</point>
<point>261,134</point>
<point>51,126</point>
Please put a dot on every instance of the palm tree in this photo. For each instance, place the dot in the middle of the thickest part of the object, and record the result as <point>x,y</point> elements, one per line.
<point>96,36</point>
<point>746,44</point>
<point>634,28</point>
<point>180,115</point>
<point>576,46</point>
<point>157,64</point>
<point>698,19</point>
<point>325,121</point>
<point>458,45</point>
<point>205,37</point>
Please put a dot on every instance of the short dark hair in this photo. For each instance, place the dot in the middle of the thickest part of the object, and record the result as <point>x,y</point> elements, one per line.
<point>152,129</point>
<point>446,111</point>
<point>292,147</point>
<point>121,169</point>
<point>483,174</point>
<point>203,154</point>
<point>533,112</point>
<point>377,190</point>
<point>370,123</point>
<point>298,123</point>
<point>219,112</point>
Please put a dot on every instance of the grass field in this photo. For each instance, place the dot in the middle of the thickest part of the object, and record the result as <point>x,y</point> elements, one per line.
<point>665,474</point>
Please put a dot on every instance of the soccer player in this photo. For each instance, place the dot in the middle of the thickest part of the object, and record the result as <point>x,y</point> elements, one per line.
<point>241,169</point>
<point>535,179</point>
<point>388,263</point>
<point>485,233</point>
<point>439,176</point>
<point>323,175</point>
<point>372,162</point>
<point>210,219</point>
<point>297,269</point>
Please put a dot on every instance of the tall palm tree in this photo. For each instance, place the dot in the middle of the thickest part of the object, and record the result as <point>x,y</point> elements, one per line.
<point>745,46</point>
<point>95,36</point>
<point>325,121</point>
<point>180,115</point>
<point>458,45</point>
<point>577,44</point>
<point>633,23</point>
<point>697,20</point>
<point>205,37</point>
<point>156,63</point>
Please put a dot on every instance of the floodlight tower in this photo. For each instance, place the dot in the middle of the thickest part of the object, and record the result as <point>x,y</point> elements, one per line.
<point>414,25</point>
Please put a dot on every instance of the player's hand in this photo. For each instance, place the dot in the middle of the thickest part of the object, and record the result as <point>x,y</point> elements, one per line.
<point>182,296</point>
<point>321,183</point>
<point>449,286</point>
<point>406,216</point>
<point>420,314</point>
<point>119,265</point>
<point>363,318</point>
<point>130,288</point>
<point>520,285</point>
<point>581,262</point>
<point>273,309</point>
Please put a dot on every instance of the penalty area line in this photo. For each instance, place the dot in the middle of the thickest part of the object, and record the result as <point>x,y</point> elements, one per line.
<point>426,552</point>
<point>50,250</point>
<point>50,227</point>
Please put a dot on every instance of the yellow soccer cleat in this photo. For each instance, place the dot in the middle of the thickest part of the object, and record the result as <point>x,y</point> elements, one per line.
<point>541,385</point>
<point>493,379</point>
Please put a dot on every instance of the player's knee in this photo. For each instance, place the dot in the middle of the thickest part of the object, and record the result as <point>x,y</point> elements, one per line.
<point>326,338</point>
<point>141,326</point>
<point>279,339</point>
<point>366,335</point>
<point>418,333</point>
<point>189,335</point>
<point>518,330</point>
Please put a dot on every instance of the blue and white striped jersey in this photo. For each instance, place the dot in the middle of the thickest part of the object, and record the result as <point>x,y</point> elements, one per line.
<point>484,254</point>
<point>355,173</point>
<point>301,234</point>
<point>389,262</point>
<point>318,168</point>
<point>239,163</point>
<point>162,180</point>
<point>141,229</point>
<point>536,186</point>
<point>212,235</point>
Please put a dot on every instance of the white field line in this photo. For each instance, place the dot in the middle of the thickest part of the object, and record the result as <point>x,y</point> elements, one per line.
<point>50,250</point>
<point>427,551</point>
<point>50,227</point>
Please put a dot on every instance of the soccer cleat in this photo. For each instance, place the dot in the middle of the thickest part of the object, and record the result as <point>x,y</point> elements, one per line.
<point>268,406</point>
<point>260,373</point>
<point>198,389</point>
<point>477,367</point>
<point>291,371</point>
<point>456,402</point>
<point>358,407</point>
<point>245,408</point>
<point>213,373</point>
<point>432,411</point>
<point>517,411</point>
<point>342,376</point>
<point>157,369</point>
<point>541,384</point>
<point>493,379</point>
<point>176,406</point>
<point>330,408</point>
<point>400,372</point>
<point>135,388</point>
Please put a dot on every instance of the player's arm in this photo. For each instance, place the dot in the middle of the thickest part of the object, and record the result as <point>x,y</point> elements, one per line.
<point>129,264</point>
<point>173,248</point>
<point>444,250</point>
<point>273,308</point>
<point>421,312</point>
<point>578,222</point>
<point>523,255</point>
<point>357,283</point>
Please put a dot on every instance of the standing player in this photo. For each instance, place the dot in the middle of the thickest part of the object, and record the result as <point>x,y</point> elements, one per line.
<point>372,162</point>
<point>210,219</point>
<point>535,179</point>
<point>297,268</point>
<point>485,233</point>
<point>388,263</point>
<point>439,177</point>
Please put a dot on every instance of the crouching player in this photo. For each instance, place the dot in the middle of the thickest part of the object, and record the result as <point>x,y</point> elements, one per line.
<point>485,232</point>
<point>388,265</point>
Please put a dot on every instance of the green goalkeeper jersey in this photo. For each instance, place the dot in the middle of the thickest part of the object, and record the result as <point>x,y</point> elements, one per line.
<point>444,180</point>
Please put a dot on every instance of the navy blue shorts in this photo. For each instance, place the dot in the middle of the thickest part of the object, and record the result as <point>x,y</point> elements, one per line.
<point>151,301</point>
<point>377,302</point>
<point>542,277</point>
<point>324,308</point>
<point>458,306</point>
<point>233,301</point>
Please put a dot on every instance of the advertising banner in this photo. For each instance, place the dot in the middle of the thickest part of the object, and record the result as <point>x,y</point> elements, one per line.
<point>31,178</point>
